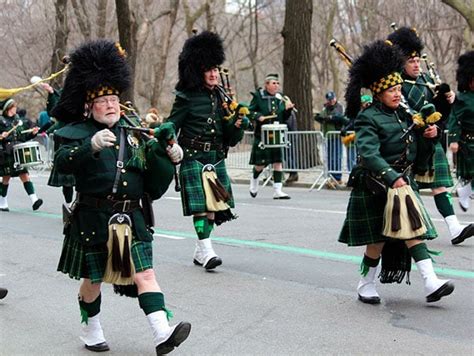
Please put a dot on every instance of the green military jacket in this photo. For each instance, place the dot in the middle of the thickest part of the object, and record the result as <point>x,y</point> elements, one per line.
<point>264,104</point>
<point>332,118</point>
<point>146,169</point>
<point>461,119</point>
<point>417,94</point>
<point>378,140</point>
<point>199,115</point>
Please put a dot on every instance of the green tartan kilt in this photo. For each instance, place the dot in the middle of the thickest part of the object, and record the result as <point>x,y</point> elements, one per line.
<point>193,198</point>
<point>79,261</point>
<point>263,157</point>
<point>57,179</point>
<point>442,173</point>
<point>465,163</point>
<point>7,167</point>
<point>364,219</point>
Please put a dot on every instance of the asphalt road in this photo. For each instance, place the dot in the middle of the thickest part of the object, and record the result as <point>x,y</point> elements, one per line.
<point>286,285</point>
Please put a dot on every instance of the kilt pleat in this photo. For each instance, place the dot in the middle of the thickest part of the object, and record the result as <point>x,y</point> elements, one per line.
<point>442,173</point>
<point>465,163</point>
<point>79,261</point>
<point>364,219</point>
<point>262,157</point>
<point>193,198</point>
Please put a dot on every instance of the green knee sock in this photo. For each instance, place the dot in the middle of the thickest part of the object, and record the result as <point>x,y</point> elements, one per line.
<point>419,252</point>
<point>30,189</point>
<point>151,302</point>
<point>201,225</point>
<point>4,190</point>
<point>444,204</point>
<point>366,263</point>
<point>211,225</point>
<point>88,310</point>
<point>277,176</point>
<point>255,173</point>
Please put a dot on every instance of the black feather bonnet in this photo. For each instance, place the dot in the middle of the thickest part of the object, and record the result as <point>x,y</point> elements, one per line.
<point>377,69</point>
<point>465,71</point>
<point>408,41</point>
<point>96,68</point>
<point>200,53</point>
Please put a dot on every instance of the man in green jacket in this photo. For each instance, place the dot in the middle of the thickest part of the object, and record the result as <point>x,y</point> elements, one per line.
<point>267,107</point>
<point>418,89</point>
<point>207,128</point>
<point>118,173</point>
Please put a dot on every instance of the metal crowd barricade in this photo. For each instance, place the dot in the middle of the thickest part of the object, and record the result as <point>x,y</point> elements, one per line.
<point>303,154</point>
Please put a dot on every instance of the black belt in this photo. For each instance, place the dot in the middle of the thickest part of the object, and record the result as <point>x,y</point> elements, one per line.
<point>200,146</point>
<point>123,206</point>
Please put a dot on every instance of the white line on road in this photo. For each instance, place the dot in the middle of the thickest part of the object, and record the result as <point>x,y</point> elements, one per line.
<point>169,236</point>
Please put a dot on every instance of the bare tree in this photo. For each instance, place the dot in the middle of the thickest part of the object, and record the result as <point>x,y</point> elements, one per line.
<point>61,36</point>
<point>83,19</point>
<point>128,28</point>
<point>101,18</point>
<point>297,58</point>
<point>466,9</point>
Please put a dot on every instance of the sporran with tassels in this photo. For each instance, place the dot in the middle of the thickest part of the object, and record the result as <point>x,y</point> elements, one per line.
<point>120,268</point>
<point>403,217</point>
<point>216,195</point>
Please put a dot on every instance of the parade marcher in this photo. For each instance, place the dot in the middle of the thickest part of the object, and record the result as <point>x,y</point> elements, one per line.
<point>267,107</point>
<point>108,237</point>
<point>207,130</point>
<point>417,91</point>
<point>385,164</point>
<point>332,118</point>
<point>461,129</point>
<point>10,134</point>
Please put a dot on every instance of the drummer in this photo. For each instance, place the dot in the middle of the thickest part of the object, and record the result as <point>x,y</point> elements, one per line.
<point>266,108</point>
<point>10,134</point>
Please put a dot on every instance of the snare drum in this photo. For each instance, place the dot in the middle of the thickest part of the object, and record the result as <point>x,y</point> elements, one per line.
<point>274,135</point>
<point>27,154</point>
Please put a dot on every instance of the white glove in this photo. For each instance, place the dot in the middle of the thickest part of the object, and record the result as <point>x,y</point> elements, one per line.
<point>102,139</point>
<point>175,153</point>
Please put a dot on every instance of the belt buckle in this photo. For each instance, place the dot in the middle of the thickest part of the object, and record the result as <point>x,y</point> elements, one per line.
<point>207,146</point>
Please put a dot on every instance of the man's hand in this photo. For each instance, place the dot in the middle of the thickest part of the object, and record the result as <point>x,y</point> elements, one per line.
<point>454,146</point>
<point>4,134</point>
<point>430,132</point>
<point>450,97</point>
<point>289,105</point>
<point>47,87</point>
<point>102,139</point>
<point>400,182</point>
<point>175,153</point>
<point>35,130</point>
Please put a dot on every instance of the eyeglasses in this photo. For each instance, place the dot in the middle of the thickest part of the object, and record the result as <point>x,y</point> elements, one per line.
<point>103,101</point>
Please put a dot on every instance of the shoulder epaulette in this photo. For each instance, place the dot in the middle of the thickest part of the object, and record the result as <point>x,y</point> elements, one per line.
<point>75,130</point>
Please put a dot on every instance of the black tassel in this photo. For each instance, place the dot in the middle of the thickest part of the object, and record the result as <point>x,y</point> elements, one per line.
<point>221,217</point>
<point>116,257</point>
<point>215,190</point>
<point>413,214</point>
<point>219,191</point>
<point>396,262</point>
<point>396,224</point>
<point>224,192</point>
<point>127,291</point>
<point>126,267</point>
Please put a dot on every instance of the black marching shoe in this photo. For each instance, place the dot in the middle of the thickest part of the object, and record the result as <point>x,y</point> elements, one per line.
<point>293,177</point>
<point>4,209</point>
<point>467,232</point>
<point>37,204</point>
<point>98,347</point>
<point>443,291</point>
<point>3,293</point>
<point>369,300</point>
<point>177,337</point>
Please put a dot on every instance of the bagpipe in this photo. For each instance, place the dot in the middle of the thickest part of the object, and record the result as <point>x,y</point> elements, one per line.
<point>346,139</point>
<point>232,109</point>
<point>146,133</point>
<point>35,80</point>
